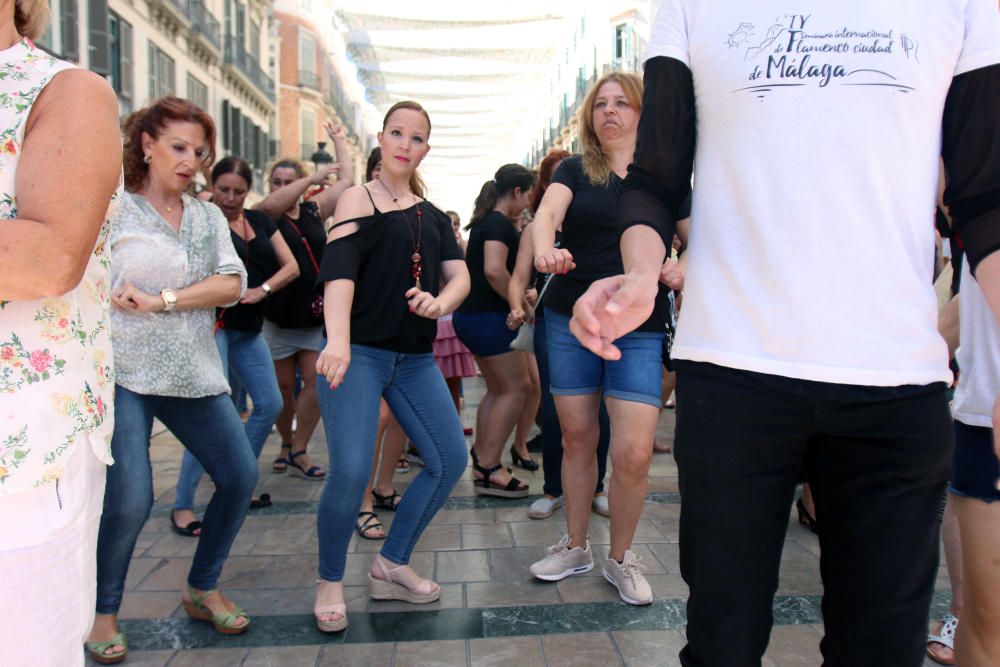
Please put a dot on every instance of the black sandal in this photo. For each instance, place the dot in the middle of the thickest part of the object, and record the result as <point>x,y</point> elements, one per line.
<point>370,523</point>
<point>262,501</point>
<point>388,503</point>
<point>280,464</point>
<point>186,531</point>
<point>515,488</point>
<point>315,473</point>
<point>529,464</point>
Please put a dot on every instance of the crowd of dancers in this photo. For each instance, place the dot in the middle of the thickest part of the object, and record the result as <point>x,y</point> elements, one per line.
<point>358,303</point>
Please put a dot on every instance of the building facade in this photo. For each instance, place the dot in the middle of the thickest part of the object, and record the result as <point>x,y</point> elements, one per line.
<point>315,84</point>
<point>217,53</point>
<point>612,37</point>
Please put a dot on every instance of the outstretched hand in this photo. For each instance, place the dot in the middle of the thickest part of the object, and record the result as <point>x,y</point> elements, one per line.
<point>672,275</point>
<point>424,304</point>
<point>611,308</point>
<point>134,299</point>
<point>335,132</point>
<point>556,260</point>
<point>334,360</point>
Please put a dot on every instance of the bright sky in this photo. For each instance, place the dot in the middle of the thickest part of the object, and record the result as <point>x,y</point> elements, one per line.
<point>483,71</point>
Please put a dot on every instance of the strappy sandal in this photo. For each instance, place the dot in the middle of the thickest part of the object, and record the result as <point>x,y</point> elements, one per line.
<point>388,587</point>
<point>225,623</point>
<point>190,530</point>
<point>388,503</point>
<point>945,637</point>
<point>370,523</point>
<point>280,464</point>
<point>515,488</point>
<point>335,625</point>
<point>528,463</point>
<point>97,650</point>
<point>315,473</point>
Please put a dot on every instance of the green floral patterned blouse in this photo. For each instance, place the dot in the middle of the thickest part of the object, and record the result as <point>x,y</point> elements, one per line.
<point>56,377</point>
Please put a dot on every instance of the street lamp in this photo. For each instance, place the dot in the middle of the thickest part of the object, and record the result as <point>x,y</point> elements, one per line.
<point>321,157</point>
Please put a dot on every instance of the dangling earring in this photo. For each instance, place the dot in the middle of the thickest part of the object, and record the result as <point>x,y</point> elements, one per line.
<point>147,158</point>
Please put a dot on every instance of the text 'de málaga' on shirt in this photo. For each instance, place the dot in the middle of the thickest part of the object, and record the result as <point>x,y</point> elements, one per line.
<point>819,134</point>
<point>160,353</point>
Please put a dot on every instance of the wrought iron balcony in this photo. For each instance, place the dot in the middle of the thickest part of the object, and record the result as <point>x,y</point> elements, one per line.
<point>204,23</point>
<point>238,56</point>
<point>309,79</point>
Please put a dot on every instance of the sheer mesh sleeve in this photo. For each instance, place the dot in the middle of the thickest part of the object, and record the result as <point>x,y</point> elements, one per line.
<point>971,152</point>
<point>659,179</point>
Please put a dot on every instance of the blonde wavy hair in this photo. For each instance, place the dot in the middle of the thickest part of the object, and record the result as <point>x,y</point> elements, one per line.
<point>31,17</point>
<point>595,164</point>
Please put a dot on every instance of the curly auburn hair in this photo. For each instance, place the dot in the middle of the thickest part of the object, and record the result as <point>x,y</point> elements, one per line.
<point>545,171</point>
<point>153,120</point>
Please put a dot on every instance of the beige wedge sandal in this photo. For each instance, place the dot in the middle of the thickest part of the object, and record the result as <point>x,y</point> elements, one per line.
<point>388,585</point>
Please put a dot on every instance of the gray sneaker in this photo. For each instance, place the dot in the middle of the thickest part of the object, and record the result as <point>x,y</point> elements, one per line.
<point>629,579</point>
<point>562,562</point>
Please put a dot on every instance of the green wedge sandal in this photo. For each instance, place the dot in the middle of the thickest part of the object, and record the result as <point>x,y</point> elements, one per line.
<point>225,624</point>
<point>98,654</point>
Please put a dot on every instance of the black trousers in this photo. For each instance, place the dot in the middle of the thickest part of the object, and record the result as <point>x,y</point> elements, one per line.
<point>877,459</point>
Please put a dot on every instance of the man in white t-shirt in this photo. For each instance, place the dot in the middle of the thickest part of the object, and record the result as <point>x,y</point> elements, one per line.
<point>808,340</point>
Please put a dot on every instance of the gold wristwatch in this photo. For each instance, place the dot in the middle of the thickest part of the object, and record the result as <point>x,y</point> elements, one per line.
<point>169,299</point>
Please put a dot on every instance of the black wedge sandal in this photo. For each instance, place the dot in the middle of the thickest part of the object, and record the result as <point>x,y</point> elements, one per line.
<point>388,503</point>
<point>515,488</point>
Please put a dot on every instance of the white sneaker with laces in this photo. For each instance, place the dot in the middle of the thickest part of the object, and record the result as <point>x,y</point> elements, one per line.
<point>562,562</point>
<point>629,579</point>
<point>544,507</point>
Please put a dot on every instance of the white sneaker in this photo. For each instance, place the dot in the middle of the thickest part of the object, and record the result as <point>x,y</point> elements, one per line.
<point>544,507</point>
<point>629,579</point>
<point>562,562</point>
<point>600,505</point>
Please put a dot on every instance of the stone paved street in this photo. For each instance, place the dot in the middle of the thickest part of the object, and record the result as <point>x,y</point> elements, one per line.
<point>491,611</point>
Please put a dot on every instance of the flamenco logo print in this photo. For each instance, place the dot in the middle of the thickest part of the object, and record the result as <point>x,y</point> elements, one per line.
<point>793,51</point>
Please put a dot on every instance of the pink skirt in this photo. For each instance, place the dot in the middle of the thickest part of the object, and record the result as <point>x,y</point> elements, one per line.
<point>452,357</point>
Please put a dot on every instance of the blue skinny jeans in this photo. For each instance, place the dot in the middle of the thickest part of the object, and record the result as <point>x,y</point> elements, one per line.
<point>210,428</point>
<point>246,360</point>
<point>416,392</point>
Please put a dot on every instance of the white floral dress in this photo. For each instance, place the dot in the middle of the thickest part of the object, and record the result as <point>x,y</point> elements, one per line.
<point>56,374</point>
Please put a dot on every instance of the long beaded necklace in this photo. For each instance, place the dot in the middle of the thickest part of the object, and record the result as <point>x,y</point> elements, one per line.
<point>416,267</point>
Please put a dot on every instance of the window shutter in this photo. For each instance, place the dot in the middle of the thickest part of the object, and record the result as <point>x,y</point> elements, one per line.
<point>100,39</point>
<point>127,92</point>
<point>70,24</point>
<point>225,126</point>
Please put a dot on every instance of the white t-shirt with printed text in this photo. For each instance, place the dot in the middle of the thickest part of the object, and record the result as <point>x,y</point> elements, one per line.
<point>816,172</point>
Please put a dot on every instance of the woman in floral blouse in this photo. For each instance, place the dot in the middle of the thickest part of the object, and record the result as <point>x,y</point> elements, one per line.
<point>173,263</point>
<point>55,349</point>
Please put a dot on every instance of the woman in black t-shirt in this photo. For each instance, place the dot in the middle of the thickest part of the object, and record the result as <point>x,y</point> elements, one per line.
<point>245,357</point>
<point>389,253</point>
<point>481,324</point>
<point>294,323</point>
<point>582,200</point>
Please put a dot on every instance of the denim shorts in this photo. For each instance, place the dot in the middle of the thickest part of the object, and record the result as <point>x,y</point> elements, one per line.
<point>575,371</point>
<point>485,334</point>
<point>975,468</point>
